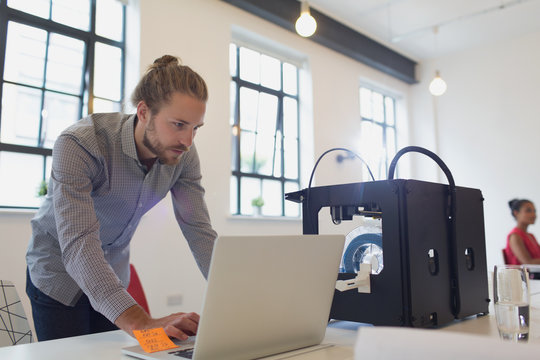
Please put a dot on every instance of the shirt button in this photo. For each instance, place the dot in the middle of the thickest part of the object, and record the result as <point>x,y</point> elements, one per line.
<point>140,205</point>
<point>129,226</point>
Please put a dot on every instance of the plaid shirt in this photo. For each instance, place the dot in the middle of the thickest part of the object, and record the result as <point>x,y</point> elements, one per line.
<point>98,193</point>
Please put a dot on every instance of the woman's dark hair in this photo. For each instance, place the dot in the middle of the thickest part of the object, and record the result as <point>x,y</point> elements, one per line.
<point>516,204</point>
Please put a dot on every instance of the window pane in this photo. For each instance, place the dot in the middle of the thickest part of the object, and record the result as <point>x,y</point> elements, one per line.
<point>233,65</point>
<point>20,180</point>
<point>272,196</point>
<point>232,103</point>
<point>25,54</point>
<point>389,105</point>
<point>21,107</point>
<point>290,117</point>
<point>290,79</point>
<point>105,106</point>
<point>264,154</point>
<point>390,143</point>
<point>378,107</point>
<point>234,152</point>
<point>270,72</point>
<point>266,123</point>
<point>249,105</point>
<point>109,19</point>
<point>250,65</point>
<point>366,109</point>
<point>291,208</point>
<point>59,111</point>
<point>65,64</point>
<point>74,13</point>
<point>233,194</point>
<point>108,72</point>
<point>371,145</point>
<point>48,168</point>
<point>35,7</point>
<point>291,158</point>
<point>277,155</point>
<point>250,188</point>
<point>247,149</point>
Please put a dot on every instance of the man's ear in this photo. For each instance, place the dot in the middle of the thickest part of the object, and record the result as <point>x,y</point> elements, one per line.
<point>143,112</point>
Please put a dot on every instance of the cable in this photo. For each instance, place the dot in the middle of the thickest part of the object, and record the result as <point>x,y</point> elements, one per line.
<point>335,149</point>
<point>308,192</point>
<point>455,301</point>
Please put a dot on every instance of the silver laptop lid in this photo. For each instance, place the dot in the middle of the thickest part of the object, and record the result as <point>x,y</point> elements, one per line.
<point>267,295</point>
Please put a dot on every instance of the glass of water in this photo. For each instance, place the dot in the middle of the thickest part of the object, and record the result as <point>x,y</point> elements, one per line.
<point>511,299</point>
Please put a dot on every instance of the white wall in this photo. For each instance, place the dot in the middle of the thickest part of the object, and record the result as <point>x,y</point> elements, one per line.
<point>488,126</point>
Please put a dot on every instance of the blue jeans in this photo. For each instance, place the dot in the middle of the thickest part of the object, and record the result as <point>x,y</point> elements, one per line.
<point>54,320</point>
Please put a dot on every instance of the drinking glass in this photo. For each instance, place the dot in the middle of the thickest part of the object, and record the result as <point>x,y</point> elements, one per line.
<point>511,299</point>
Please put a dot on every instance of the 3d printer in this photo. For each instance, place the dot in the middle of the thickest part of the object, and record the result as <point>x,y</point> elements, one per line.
<point>427,267</point>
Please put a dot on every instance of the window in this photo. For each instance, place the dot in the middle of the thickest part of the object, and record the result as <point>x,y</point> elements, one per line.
<point>378,131</point>
<point>61,59</point>
<point>265,133</point>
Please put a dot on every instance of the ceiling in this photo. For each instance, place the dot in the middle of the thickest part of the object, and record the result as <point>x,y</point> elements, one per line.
<point>426,29</point>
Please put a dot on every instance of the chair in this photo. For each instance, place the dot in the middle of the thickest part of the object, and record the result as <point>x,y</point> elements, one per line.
<point>532,275</point>
<point>505,257</point>
<point>14,326</point>
<point>136,290</point>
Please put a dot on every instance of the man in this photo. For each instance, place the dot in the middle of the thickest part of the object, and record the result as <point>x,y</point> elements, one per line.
<point>107,171</point>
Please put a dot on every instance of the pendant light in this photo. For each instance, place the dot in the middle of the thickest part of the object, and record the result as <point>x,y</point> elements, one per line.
<point>305,24</point>
<point>437,86</point>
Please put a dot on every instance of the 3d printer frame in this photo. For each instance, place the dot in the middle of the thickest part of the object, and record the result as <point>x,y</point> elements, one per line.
<point>435,270</point>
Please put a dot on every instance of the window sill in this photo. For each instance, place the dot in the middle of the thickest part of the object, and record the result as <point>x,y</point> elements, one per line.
<point>10,211</point>
<point>264,218</point>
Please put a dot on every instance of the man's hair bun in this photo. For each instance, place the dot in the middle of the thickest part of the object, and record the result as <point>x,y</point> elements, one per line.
<point>166,60</point>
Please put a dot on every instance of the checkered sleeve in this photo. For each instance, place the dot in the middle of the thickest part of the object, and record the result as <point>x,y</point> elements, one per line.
<point>192,213</point>
<point>74,169</point>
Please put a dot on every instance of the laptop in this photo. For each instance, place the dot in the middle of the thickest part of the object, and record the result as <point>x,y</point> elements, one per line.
<point>265,295</point>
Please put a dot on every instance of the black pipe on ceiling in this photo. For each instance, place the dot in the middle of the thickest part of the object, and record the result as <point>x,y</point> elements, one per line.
<point>334,35</point>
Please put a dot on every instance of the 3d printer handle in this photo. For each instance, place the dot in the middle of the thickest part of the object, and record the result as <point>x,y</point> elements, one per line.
<point>455,301</point>
<point>426,152</point>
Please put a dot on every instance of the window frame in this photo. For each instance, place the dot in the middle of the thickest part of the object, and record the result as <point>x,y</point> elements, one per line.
<point>86,97</point>
<point>236,169</point>
<point>384,124</point>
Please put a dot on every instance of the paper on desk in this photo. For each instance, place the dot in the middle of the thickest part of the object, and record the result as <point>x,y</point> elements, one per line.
<point>382,343</point>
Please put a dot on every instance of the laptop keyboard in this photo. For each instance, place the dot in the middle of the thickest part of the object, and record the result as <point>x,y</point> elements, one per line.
<point>186,353</point>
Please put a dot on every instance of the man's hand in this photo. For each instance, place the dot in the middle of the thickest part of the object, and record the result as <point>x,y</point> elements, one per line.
<point>178,325</point>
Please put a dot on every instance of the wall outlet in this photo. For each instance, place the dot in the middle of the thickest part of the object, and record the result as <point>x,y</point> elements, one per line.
<point>174,299</point>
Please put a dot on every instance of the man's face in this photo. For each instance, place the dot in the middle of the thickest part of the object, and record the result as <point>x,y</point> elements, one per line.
<point>170,132</point>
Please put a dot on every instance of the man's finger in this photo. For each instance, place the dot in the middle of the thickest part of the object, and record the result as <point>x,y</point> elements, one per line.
<point>186,324</point>
<point>174,332</point>
<point>194,316</point>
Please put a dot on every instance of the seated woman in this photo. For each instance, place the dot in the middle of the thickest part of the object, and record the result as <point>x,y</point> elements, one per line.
<point>521,246</point>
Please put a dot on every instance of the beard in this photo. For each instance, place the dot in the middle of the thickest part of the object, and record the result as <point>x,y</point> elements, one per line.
<point>151,141</point>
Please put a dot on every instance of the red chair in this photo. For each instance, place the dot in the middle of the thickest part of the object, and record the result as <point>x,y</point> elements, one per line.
<point>505,257</point>
<point>135,289</point>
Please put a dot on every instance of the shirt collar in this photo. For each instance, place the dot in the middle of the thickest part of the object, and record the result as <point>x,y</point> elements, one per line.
<point>128,137</point>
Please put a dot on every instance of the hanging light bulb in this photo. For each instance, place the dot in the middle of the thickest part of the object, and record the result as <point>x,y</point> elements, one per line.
<point>437,86</point>
<point>306,24</point>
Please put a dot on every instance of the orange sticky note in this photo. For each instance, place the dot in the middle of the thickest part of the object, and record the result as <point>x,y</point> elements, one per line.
<point>152,340</point>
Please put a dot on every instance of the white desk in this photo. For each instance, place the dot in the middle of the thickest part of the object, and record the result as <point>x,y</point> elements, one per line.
<point>107,346</point>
